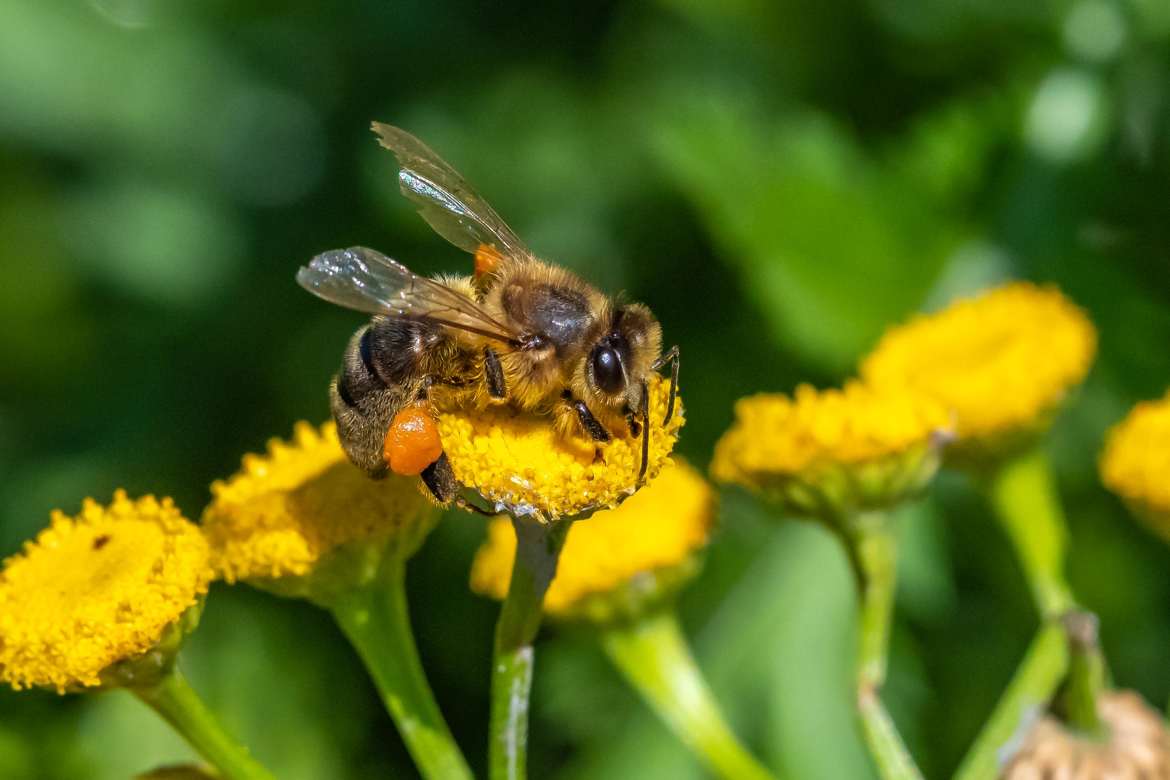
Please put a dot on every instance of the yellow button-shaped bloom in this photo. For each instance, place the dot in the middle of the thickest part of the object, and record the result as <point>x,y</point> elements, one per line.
<point>97,590</point>
<point>281,520</point>
<point>1002,361</point>
<point>1136,462</point>
<point>617,562</point>
<point>522,465</point>
<point>827,453</point>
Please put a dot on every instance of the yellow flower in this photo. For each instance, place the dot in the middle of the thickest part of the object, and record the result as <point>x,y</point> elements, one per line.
<point>1137,745</point>
<point>618,561</point>
<point>300,512</point>
<point>1002,361</point>
<point>97,590</point>
<point>1136,462</point>
<point>831,452</point>
<point>519,462</point>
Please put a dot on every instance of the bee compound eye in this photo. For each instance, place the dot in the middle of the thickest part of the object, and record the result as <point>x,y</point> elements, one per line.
<point>607,369</point>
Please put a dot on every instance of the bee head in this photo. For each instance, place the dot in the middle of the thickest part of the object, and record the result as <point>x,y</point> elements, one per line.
<point>621,358</point>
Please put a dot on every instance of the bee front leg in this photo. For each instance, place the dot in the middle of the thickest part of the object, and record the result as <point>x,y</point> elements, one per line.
<point>633,422</point>
<point>493,374</point>
<point>588,421</point>
<point>671,357</point>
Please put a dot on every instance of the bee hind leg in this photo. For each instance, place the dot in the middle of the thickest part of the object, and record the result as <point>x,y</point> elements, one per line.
<point>440,480</point>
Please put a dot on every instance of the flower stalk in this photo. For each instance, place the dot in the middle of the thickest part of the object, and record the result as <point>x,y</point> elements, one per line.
<point>375,619</point>
<point>538,548</point>
<point>1027,695</point>
<point>1023,494</point>
<point>653,656</point>
<point>178,704</point>
<point>872,548</point>
<point>1086,676</point>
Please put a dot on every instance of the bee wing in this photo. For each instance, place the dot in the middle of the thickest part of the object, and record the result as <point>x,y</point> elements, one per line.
<point>448,203</point>
<point>368,281</point>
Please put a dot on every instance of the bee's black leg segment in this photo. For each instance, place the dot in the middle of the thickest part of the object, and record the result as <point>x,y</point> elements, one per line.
<point>671,357</point>
<point>494,374</point>
<point>646,431</point>
<point>633,422</point>
<point>440,480</point>
<point>588,421</point>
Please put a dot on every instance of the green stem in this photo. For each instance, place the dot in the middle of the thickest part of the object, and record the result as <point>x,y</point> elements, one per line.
<point>1086,675</point>
<point>1023,493</point>
<point>1029,692</point>
<point>174,699</point>
<point>653,656</point>
<point>873,554</point>
<point>376,621</point>
<point>889,752</point>
<point>538,547</point>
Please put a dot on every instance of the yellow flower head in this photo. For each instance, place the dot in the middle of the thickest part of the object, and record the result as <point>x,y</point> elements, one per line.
<point>1137,745</point>
<point>827,453</point>
<point>295,516</point>
<point>620,561</point>
<point>97,590</point>
<point>1002,361</point>
<point>522,465</point>
<point>1136,462</point>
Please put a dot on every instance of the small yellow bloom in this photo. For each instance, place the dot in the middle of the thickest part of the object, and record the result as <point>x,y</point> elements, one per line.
<point>286,513</point>
<point>1136,462</point>
<point>1002,361</point>
<point>830,452</point>
<point>523,466</point>
<point>617,561</point>
<point>1137,745</point>
<point>96,590</point>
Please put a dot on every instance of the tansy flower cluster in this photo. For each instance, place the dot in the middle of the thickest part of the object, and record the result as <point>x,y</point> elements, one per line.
<point>824,452</point>
<point>290,508</point>
<point>1002,362</point>
<point>1136,462</point>
<point>522,465</point>
<point>617,558</point>
<point>97,589</point>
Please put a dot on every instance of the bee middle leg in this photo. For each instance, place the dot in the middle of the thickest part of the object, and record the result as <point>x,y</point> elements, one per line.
<point>590,423</point>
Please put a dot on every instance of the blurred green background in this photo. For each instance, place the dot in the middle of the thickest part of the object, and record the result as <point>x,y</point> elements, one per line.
<point>777,180</point>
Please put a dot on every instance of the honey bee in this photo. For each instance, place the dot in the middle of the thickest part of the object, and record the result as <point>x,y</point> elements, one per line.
<point>519,331</point>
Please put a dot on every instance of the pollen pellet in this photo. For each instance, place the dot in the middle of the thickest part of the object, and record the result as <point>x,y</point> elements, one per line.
<point>487,259</point>
<point>412,442</point>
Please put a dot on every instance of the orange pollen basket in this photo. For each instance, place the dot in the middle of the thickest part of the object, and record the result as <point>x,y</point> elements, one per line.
<point>412,442</point>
